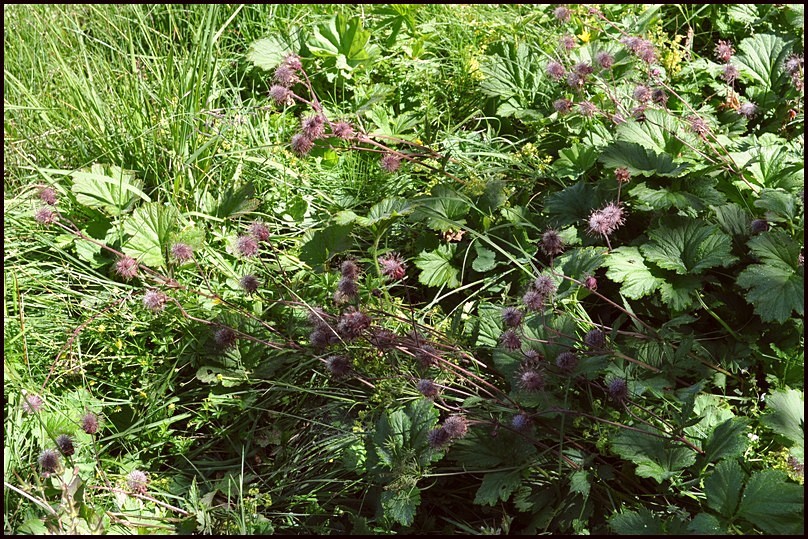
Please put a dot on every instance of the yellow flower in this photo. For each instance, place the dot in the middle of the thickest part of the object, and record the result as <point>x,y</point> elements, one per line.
<point>585,36</point>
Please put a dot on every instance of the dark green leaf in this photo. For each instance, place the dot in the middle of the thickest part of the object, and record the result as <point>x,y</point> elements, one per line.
<point>728,440</point>
<point>655,457</point>
<point>679,291</point>
<point>443,210</point>
<point>325,243</point>
<point>387,209</point>
<point>498,486</point>
<point>724,486</point>
<point>571,205</point>
<point>481,451</point>
<point>687,246</point>
<point>706,524</point>
<point>485,260</point>
<point>640,161</point>
<point>773,504</point>
<point>400,505</point>
<point>732,218</point>
<point>627,266</point>
<point>642,522</point>
<point>574,161</point>
<point>761,58</point>
<point>780,205</point>
<point>786,414</point>
<point>436,267</point>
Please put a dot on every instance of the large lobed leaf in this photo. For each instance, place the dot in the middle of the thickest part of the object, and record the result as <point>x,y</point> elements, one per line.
<point>627,266</point>
<point>687,246</point>
<point>437,268</point>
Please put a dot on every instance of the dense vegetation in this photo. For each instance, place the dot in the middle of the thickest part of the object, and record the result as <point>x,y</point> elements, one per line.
<point>377,269</point>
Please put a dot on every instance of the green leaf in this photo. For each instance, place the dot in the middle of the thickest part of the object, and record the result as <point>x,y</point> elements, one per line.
<point>773,504</point>
<point>443,209</point>
<point>571,205</point>
<point>583,261</point>
<point>574,161</point>
<point>761,58</point>
<point>235,200</point>
<point>732,219</point>
<point>150,227</point>
<point>786,414</point>
<point>641,522</point>
<point>400,505</point>
<point>267,53</point>
<point>679,291</point>
<point>343,42</point>
<point>687,246</point>
<point>110,188</point>
<point>706,524</point>
<point>640,161</point>
<point>579,483</point>
<point>323,244</point>
<point>498,486</point>
<point>777,285</point>
<point>660,132</point>
<point>724,486</point>
<point>490,320</point>
<point>479,450</point>
<point>627,266</point>
<point>780,205</point>
<point>728,440</point>
<point>485,260</point>
<point>385,210</point>
<point>436,267</point>
<point>655,457</point>
<point>515,75</point>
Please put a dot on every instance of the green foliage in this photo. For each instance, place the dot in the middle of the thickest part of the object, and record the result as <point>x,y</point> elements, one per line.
<point>345,45</point>
<point>437,268</point>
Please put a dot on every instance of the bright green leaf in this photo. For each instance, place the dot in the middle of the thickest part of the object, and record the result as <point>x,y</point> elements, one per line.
<point>687,246</point>
<point>437,268</point>
<point>773,504</point>
<point>267,53</point>
<point>110,188</point>
<point>485,260</point>
<point>640,161</point>
<point>498,486</point>
<point>627,266</point>
<point>786,414</point>
<point>150,227</point>
<point>728,440</point>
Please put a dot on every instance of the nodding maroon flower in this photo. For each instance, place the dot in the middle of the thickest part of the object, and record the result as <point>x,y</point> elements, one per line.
<point>646,52</point>
<point>595,339</point>
<point>606,220</point>
<point>259,231</point>
<point>456,426</point>
<point>530,380</point>
<point>352,323</point>
<point>724,50</point>
<point>638,112</point>
<point>698,126</point>
<point>575,81</point>
<point>65,444</point>
<point>323,337</point>
<point>510,340</point>
<point>301,144</point>
<point>583,69</point>
<point>347,290</point>
<point>556,70</point>
<point>293,62</point>
<point>437,438</point>
<point>544,285</point>
<point>247,246</point>
<point>642,94</point>
<point>48,196</point>
<point>338,365</point>
<point>224,338</point>
<point>587,108</point>
<point>793,64</point>
<point>622,174</point>
<point>318,318</point>
<point>533,357</point>
<point>747,109</point>
<point>349,269</point>
<point>521,421</point>
<point>285,76</point>
<point>426,355</point>
<point>632,43</point>
<point>313,127</point>
<point>46,216</point>
<point>617,390</point>
<point>383,339</point>
<point>730,73</point>
<point>137,481</point>
<point>567,42</point>
<point>31,403</point>
<point>567,361</point>
<point>393,266</point>
<point>605,60</point>
<point>89,423</point>
<point>126,267</point>
<point>758,226</point>
<point>428,388</point>
<point>48,460</point>
<point>551,242</point>
<point>562,13</point>
<point>659,97</point>
<point>343,130</point>
<point>282,95</point>
<point>562,106</point>
<point>154,300</point>
<point>511,316</point>
<point>390,162</point>
<point>182,252</point>
<point>249,283</point>
<point>591,283</point>
<point>533,300</point>
<point>797,81</point>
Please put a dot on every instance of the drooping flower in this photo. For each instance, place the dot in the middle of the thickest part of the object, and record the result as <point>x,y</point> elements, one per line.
<point>533,300</point>
<point>224,338</point>
<point>383,339</point>
<point>698,125</point>
<point>617,390</point>
<point>126,267</point>
<point>758,226</point>
<point>65,444</point>
<point>659,96</point>
<point>154,300</point>
<point>545,285</point>
<point>606,220</point>
<point>343,130</point>
<point>622,174</point>
<point>181,252</point>
<point>551,242</point>
<point>724,50</point>
<point>249,283</point>
<point>456,426</point>
<point>591,282</point>
<point>301,144</point>
<point>346,291</point>
<point>31,403</point>
<point>137,481</point>
<point>48,460</point>
<point>583,69</point>
<point>247,246</point>
<point>259,231</point>
<point>313,127</point>
<point>89,423</point>
<point>556,70</point>
<point>566,361</point>
<point>510,340</point>
<point>567,42</point>
<point>747,109</point>
<point>426,355</point>
<point>437,438</point>
<point>352,323</point>
<point>730,73</point>
<point>562,106</point>
<point>587,108</point>
<point>521,421</point>
<point>338,365</point>
<point>349,269</point>
<point>530,379</point>
<point>575,81</point>
<point>595,339</point>
<point>281,95</point>
<point>48,196</point>
<point>604,59</point>
<point>511,316</point>
<point>562,13</point>
<point>427,388</point>
<point>293,62</point>
<point>46,216</point>
<point>642,93</point>
<point>392,266</point>
<point>793,64</point>
<point>390,162</point>
<point>533,357</point>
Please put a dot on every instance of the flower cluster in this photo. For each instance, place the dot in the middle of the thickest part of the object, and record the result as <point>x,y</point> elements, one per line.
<point>606,220</point>
<point>453,428</point>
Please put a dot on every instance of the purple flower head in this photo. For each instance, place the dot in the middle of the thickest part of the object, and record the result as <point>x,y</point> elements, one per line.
<point>322,337</point>
<point>567,42</point>
<point>604,60</point>
<point>259,231</point>
<point>456,426</point>
<point>383,339</point>
<point>521,422</point>
<point>137,481</point>
<point>698,126</point>
<point>533,300</point>
<point>583,69</point>
<point>562,106</point>
<point>632,43</point>
<point>544,285</point>
<point>556,70</point>
<point>724,50</point>
<point>48,460</point>
<point>428,388</point>
<point>247,246</point>
<point>390,162</point>
<point>313,127</point>
<point>224,338</point>
<point>575,81</point>
<point>437,438</point>
<point>759,226</point>
<point>126,267</point>
<point>747,109</point>
<point>530,380</point>
<point>659,96</point>
<point>551,242</point>
<point>793,64</point>
<point>65,444</point>
<point>343,130</point>
<point>338,365</point>
<point>562,13</point>
<point>46,216</point>
<point>638,112</point>
<point>511,316</point>
<point>285,76</point>
<point>510,340</point>
<point>352,323</point>
<point>591,283</point>
<point>587,108</point>
<point>154,300</point>
<point>567,361</point>
<point>622,174</point>
<point>349,270</point>
<point>730,73</point>
<point>48,196</point>
<point>301,144</point>
<point>617,390</point>
<point>249,283</point>
<point>89,423</point>
<point>533,357</point>
<point>393,266</point>
<point>427,355</point>
<point>606,220</point>
<point>182,252</point>
<point>282,95</point>
<point>646,52</point>
<point>595,339</point>
<point>293,62</point>
<point>642,94</point>
<point>347,290</point>
<point>31,403</point>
